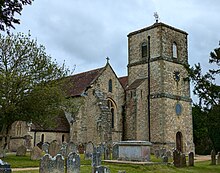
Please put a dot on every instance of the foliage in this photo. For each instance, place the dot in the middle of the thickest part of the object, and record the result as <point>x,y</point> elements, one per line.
<point>8,9</point>
<point>29,82</point>
<point>206,115</point>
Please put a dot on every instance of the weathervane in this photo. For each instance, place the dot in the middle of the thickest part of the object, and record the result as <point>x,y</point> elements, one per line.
<point>156,17</point>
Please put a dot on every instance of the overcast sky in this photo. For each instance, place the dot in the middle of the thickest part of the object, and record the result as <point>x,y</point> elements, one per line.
<point>85,32</point>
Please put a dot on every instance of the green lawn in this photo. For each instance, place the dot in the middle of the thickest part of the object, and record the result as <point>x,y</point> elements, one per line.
<point>200,167</point>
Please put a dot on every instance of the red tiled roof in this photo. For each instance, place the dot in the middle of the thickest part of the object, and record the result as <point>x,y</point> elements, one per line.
<point>135,84</point>
<point>80,82</point>
<point>124,81</point>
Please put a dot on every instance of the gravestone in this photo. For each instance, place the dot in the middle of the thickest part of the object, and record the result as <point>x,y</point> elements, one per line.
<point>165,159</point>
<point>21,151</point>
<point>213,158</point>
<point>2,152</point>
<point>107,153</point>
<point>176,158</point>
<point>162,152</point>
<point>45,164</point>
<point>71,148</point>
<point>81,148</point>
<point>36,153</point>
<point>89,150</point>
<point>58,166</point>
<point>191,159</point>
<point>102,146</point>
<point>156,153</point>
<point>168,154</point>
<point>63,150</point>
<point>101,169</point>
<point>40,144</point>
<point>54,148</point>
<point>218,158</point>
<point>5,167</point>
<point>73,163</point>
<point>96,158</point>
<point>182,160</point>
<point>27,141</point>
<point>45,147</point>
<point>115,152</point>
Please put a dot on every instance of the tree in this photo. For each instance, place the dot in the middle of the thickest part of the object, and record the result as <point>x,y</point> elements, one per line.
<point>30,82</point>
<point>8,8</point>
<point>208,91</point>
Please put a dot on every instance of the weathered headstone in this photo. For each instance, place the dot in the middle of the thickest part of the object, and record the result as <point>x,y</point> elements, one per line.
<point>45,162</point>
<point>182,160</point>
<point>162,152</point>
<point>191,159</point>
<point>2,152</point>
<point>213,158</point>
<point>21,151</point>
<point>218,158</point>
<point>5,167</point>
<point>176,158</point>
<point>156,153</point>
<point>73,163</point>
<point>96,158</point>
<point>54,148</point>
<point>40,144</point>
<point>71,148</point>
<point>81,148</point>
<point>107,153</point>
<point>101,169</point>
<point>27,141</point>
<point>59,164</point>
<point>63,150</point>
<point>165,159</point>
<point>36,153</point>
<point>168,154</point>
<point>115,152</point>
<point>89,150</point>
<point>45,147</point>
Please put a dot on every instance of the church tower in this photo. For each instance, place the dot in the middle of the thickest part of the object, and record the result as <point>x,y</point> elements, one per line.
<point>158,104</point>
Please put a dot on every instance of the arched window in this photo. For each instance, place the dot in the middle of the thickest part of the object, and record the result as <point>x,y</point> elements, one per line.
<point>110,86</point>
<point>63,138</point>
<point>112,108</point>
<point>42,138</point>
<point>144,49</point>
<point>174,50</point>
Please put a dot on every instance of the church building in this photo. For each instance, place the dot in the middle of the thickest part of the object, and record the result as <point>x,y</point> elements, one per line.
<point>152,103</point>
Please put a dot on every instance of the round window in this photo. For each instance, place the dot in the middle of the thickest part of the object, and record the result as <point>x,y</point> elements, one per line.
<point>178,109</point>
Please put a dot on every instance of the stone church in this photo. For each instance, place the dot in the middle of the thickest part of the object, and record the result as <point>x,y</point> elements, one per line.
<point>151,104</point>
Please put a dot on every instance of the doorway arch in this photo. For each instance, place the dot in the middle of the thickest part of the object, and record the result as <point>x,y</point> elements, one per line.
<point>179,141</point>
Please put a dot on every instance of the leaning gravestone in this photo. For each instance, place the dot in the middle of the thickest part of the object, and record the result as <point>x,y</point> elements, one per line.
<point>73,163</point>
<point>36,153</point>
<point>45,147</point>
<point>89,150</point>
<point>115,152</point>
<point>218,158</point>
<point>191,159</point>
<point>21,151</point>
<point>54,148</point>
<point>71,148</point>
<point>213,158</point>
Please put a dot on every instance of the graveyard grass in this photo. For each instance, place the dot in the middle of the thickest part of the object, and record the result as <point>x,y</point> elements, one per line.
<point>200,167</point>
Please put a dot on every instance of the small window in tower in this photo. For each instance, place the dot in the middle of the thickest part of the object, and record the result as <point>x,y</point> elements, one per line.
<point>144,49</point>
<point>110,86</point>
<point>174,50</point>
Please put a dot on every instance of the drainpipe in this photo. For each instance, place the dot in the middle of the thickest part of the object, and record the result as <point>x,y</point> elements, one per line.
<point>148,96</point>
